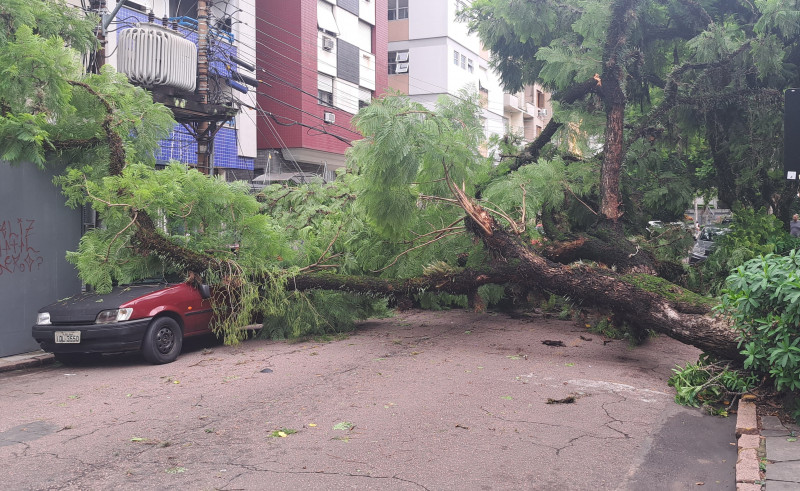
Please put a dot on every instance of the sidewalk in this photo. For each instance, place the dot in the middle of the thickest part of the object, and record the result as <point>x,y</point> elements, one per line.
<point>25,360</point>
<point>770,445</point>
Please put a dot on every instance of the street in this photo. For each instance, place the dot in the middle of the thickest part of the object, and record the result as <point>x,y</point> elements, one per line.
<point>422,400</point>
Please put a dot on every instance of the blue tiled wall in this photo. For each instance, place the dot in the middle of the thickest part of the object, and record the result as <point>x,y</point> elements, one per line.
<point>181,146</point>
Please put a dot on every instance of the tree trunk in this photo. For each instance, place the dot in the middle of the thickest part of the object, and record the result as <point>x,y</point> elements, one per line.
<point>685,317</point>
<point>622,12</point>
<point>690,322</point>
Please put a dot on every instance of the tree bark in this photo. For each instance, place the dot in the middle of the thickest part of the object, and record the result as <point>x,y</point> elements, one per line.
<point>686,317</point>
<point>608,253</point>
<point>688,322</point>
<point>614,99</point>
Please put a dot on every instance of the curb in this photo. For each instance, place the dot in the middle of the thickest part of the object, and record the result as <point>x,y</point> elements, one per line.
<point>29,360</point>
<point>751,447</point>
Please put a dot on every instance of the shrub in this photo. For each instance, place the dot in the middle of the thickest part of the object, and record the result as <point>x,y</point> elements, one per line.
<point>713,385</point>
<point>762,299</point>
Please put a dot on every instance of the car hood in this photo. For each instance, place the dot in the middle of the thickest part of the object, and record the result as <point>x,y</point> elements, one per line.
<point>86,306</point>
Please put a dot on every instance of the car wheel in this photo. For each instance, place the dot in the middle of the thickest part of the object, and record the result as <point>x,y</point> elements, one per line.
<point>163,341</point>
<point>76,359</point>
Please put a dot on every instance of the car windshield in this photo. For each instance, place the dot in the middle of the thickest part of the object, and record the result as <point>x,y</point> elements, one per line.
<point>711,233</point>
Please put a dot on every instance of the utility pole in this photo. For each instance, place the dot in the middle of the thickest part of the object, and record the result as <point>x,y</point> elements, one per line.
<point>100,54</point>
<point>204,138</point>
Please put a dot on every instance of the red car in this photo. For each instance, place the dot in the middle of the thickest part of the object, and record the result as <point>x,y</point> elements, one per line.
<point>151,318</point>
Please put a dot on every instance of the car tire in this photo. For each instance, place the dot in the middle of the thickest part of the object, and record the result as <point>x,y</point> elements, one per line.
<point>76,359</point>
<point>163,341</point>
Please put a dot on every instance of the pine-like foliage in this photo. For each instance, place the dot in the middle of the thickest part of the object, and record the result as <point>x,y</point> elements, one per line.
<point>702,87</point>
<point>408,151</point>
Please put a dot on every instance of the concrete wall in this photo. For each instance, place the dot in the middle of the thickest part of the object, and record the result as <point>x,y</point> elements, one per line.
<point>36,230</point>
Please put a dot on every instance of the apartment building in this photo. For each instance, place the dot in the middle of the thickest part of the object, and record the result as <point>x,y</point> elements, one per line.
<point>430,53</point>
<point>320,61</point>
<point>168,28</point>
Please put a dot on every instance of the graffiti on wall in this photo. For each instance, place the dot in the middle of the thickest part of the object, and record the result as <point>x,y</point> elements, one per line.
<point>17,254</point>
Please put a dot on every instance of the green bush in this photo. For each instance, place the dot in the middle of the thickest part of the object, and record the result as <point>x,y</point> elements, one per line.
<point>712,385</point>
<point>762,299</point>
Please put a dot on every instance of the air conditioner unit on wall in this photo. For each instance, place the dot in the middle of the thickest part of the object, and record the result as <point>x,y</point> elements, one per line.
<point>542,112</point>
<point>329,118</point>
<point>327,43</point>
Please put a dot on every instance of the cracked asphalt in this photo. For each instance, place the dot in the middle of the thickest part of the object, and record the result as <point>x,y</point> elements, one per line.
<point>422,400</point>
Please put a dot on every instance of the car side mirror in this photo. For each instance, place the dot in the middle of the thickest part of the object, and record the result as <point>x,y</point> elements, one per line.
<point>205,290</point>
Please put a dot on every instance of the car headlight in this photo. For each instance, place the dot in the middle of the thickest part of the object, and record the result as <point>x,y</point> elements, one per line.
<point>113,315</point>
<point>43,318</point>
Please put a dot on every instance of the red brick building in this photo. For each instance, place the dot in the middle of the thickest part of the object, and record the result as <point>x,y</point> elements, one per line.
<point>319,61</point>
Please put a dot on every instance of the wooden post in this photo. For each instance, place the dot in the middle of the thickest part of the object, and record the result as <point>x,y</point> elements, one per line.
<point>203,131</point>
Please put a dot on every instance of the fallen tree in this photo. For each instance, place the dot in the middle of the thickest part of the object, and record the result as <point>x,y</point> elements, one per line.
<point>409,199</point>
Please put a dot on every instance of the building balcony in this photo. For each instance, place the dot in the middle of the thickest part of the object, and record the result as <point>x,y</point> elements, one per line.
<point>511,102</point>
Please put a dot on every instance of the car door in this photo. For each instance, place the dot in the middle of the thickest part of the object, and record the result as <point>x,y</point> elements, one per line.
<point>197,311</point>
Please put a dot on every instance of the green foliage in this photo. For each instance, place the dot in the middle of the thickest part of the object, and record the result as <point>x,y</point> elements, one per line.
<point>406,152</point>
<point>48,19</point>
<point>669,242</point>
<point>200,214</point>
<point>752,233</point>
<point>714,386</point>
<point>703,106</point>
<point>50,107</point>
<point>762,299</point>
<point>300,314</point>
<point>282,433</point>
<point>441,301</point>
<point>23,138</point>
<point>34,75</point>
<point>492,294</point>
<point>561,305</point>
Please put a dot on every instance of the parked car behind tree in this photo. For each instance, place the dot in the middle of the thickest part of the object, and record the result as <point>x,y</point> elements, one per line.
<point>705,243</point>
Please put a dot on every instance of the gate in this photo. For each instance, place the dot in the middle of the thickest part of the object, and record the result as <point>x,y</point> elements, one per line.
<point>36,230</point>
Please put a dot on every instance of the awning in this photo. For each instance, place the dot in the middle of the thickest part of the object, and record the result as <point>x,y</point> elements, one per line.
<point>325,19</point>
<point>297,177</point>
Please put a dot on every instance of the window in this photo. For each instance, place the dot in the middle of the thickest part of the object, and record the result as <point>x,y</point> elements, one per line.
<point>455,57</point>
<point>398,9</point>
<point>326,22</point>
<point>325,98</point>
<point>179,9</point>
<point>364,97</point>
<point>469,65</point>
<point>463,61</point>
<point>348,5</point>
<point>398,62</point>
<point>324,90</point>
<point>540,99</point>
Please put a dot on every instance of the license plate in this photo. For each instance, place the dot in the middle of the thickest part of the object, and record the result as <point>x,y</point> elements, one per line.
<point>65,337</point>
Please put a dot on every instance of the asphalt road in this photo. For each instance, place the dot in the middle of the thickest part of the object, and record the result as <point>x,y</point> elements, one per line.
<point>436,401</point>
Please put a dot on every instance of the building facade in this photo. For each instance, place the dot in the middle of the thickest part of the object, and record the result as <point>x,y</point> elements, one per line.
<point>231,36</point>
<point>320,62</point>
<point>431,54</point>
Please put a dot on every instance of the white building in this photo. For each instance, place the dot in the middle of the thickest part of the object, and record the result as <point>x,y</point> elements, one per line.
<point>231,34</point>
<point>430,54</point>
